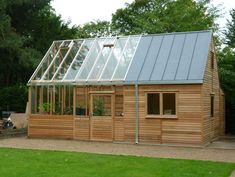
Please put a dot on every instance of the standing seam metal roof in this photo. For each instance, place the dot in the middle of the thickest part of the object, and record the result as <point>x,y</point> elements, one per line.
<point>171,58</point>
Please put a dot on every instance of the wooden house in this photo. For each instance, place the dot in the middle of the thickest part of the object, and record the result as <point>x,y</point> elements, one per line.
<point>148,89</point>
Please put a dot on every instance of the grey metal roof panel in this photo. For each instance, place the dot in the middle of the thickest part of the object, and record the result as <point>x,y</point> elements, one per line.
<point>150,58</point>
<point>187,54</point>
<point>171,57</point>
<point>139,58</point>
<point>162,58</point>
<point>174,57</point>
<point>199,59</point>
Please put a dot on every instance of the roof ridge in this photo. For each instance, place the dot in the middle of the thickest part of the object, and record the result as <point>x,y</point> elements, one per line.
<point>143,35</point>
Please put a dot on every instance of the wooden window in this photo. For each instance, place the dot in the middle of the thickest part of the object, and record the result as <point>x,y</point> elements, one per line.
<point>212,105</point>
<point>169,106</point>
<point>161,105</point>
<point>212,59</point>
<point>153,104</point>
<point>82,102</point>
<point>118,105</point>
<point>101,105</point>
<point>68,100</point>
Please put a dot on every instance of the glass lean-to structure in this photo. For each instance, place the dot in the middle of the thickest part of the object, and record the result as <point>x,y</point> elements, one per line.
<point>78,62</point>
<point>86,60</point>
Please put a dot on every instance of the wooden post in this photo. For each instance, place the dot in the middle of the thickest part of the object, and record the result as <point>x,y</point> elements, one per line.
<point>41,99</point>
<point>74,101</point>
<point>113,111</point>
<point>29,99</point>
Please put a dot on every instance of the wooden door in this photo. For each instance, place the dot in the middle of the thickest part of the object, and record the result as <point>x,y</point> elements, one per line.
<point>101,119</point>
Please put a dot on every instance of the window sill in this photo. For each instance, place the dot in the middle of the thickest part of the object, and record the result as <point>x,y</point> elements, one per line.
<point>161,117</point>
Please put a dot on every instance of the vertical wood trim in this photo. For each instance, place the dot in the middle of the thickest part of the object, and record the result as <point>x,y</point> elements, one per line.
<point>176,103</point>
<point>91,113</point>
<point>161,131</point>
<point>161,103</point>
<point>74,109</point>
<point>202,116</point>
<point>53,104</point>
<point>51,97</point>
<point>41,99</point>
<point>62,100</point>
<point>29,99</point>
<point>113,111</point>
<point>74,100</point>
<point>35,99</point>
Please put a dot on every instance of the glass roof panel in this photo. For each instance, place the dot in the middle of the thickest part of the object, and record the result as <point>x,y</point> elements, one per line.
<point>68,60</point>
<point>113,61</point>
<point>90,60</point>
<point>102,59</point>
<point>63,50</point>
<point>78,60</point>
<point>126,58</point>
<point>47,60</point>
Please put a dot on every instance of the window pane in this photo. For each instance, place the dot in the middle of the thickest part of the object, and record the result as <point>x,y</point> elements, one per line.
<point>68,60</point>
<point>118,105</point>
<point>81,101</point>
<point>153,103</point>
<point>114,58</point>
<point>169,107</point>
<point>101,105</point>
<point>90,60</point>
<point>126,58</point>
<point>33,100</point>
<point>58,59</point>
<point>99,65</point>
<point>76,65</point>
<point>212,106</point>
<point>68,108</point>
<point>48,58</point>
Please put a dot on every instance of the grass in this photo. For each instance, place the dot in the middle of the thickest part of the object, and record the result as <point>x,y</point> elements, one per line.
<point>37,163</point>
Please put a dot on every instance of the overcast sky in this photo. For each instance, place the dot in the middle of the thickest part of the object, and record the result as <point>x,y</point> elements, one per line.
<point>82,11</point>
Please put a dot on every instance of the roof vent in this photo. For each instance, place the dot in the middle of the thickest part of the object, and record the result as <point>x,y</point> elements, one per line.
<point>108,45</point>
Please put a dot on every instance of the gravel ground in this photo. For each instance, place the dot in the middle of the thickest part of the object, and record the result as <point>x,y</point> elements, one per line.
<point>195,153</point>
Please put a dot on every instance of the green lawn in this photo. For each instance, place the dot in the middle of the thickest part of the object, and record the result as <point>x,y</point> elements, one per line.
<point>35,163</point>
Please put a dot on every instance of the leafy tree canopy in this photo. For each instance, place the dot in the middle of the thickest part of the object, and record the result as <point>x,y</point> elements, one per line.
<point>94,29</point>
<point>160,16</point>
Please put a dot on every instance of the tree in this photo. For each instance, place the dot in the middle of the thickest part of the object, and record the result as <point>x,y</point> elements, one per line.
<point>94,29</point>
<point>230,33</point>
<point>226,62</point>
<point>27,29</point>
<point>160,16</point>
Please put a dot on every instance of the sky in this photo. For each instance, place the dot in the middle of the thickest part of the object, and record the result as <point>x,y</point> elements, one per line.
<point>80,12</point>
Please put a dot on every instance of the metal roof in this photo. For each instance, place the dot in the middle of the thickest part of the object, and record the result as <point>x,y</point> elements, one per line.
<point>171,58</point>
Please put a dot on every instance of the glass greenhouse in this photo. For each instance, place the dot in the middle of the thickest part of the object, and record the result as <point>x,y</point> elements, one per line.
<point>78,62</point>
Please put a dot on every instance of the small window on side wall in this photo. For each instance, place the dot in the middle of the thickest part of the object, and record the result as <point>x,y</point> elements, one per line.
<point>212,105</point>
<point>118,105</point>
<point>212,60</point>
<point>169,105</point>
<point>153,104</point>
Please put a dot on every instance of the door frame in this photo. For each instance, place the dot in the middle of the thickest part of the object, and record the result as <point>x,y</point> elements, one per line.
<point>91,117</point>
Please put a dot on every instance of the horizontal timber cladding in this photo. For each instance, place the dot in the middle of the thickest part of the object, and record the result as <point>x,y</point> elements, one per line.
<point>50,126</point>
<point>184,129</point>
<point>82,128</point>
<point>118,129</point>
<point>101,129</point>
<point>212,126</point>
